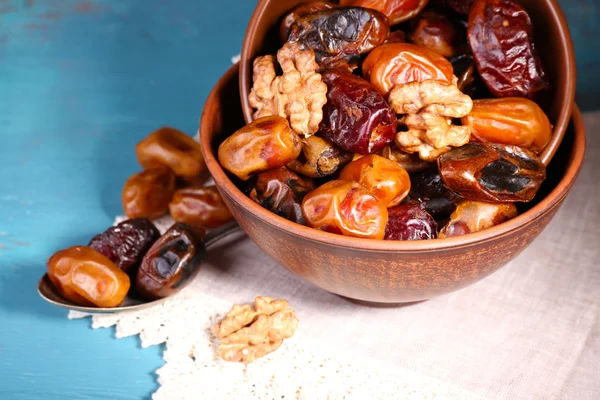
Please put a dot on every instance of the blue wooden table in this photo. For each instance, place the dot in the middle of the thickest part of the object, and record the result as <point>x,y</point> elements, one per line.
<point>80,83</point>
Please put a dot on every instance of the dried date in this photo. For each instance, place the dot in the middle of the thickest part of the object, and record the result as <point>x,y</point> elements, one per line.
<point>126,243</point>
<point>384,178</point>
<point>429,190</point>
<point>266,143</point>
<point>172,261</point>
<point>340,33</point>
<point>345,208</point>
<point>396,10</point>
<point>494,172</point>
<point>299,11</point>
<point>410,162</point>
<point>199,206</point>
<point>398,63</point>
<point>501,38</point>
<point>147,194</point>
<point>356,117</point>
<point>86,277</point>
<point>474,216</point>
<point>439,33</point>
<point>319,158</point>
<point>281,191</point>
<point>512,120</point>
<point>460,7</point>
<point>410,222</point>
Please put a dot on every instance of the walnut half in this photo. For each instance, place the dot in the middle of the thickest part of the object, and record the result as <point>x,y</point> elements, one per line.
<point>429,107</point>
<point>298,95</point>
<point>248,333</point>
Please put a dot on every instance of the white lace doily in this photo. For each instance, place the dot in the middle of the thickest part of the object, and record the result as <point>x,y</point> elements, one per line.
<point>301,369</point>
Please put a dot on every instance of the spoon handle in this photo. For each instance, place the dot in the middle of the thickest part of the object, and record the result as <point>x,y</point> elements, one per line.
<point>222,232</point>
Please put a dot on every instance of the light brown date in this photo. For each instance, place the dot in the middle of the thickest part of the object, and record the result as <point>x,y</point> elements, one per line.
<point>148,193</point>
<point>511,120</point>
<point>474,216</point>
<point>384,178</point>
<point>346,208</point>
<point>199,206</point>
<point>398,63</point>
<point>174,149</point>
<point>266,143</point>
<point>86,277</point>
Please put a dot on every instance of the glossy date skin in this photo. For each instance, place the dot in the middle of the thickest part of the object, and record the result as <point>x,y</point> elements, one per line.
<point>512,120</point>
<point>385,179</point>
<point>173,149</point>
<point>474,216</point>
<point>298,12</point>
<point>398,63</point>
<point>199,206</point>
<point>395,10</point>
<point>266,143</point>
<point>500,34</point>
<point>356,117</point>
<point>170,263</point>
<point>410,222</point>
<point>410,162</point>
<point>346,208</point>
<point>493,172</point>
<point>341,33</point>
<point>87,278</point>
<point>281,191</point>
<point>126,243</point>
<point>428,189</point>
<point>147,194</point>
<point>439,33</point>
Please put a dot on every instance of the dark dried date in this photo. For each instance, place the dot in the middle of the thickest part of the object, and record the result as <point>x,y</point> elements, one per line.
<point>126,243</point>
<point>461,7</point>
<point>341,33</point>
<point>429,190</point>
<point>170,262</point>
<point>319,158</point>
<point>410,222</point>
<point>356,117</point>
<point>501,38</point>
<point>299,11</point>
<point>439,33</point>
<point>494,173</point>
<point>282,191</point>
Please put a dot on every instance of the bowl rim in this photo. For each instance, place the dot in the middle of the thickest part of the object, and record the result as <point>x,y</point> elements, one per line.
<point>565,43</point>
<point>531,216</point>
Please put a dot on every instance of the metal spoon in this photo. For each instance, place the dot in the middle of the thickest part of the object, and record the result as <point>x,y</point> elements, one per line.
<point>49,293</point>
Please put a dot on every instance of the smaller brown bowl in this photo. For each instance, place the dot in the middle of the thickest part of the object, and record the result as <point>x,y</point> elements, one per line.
<point>552,37</point>
<point>383,271</point>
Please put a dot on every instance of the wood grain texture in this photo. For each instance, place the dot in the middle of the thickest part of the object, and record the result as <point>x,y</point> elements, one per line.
<point>80,83</point>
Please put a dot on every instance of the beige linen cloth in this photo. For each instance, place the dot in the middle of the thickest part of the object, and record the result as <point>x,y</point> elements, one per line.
<point>529,331</point>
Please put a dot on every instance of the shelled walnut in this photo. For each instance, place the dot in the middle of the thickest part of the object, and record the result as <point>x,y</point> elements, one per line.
<point>298,94</point>
<point>248,333</point>
<point>429,107</point>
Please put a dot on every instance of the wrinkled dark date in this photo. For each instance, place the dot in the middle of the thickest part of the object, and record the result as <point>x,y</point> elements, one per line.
<point>281,191</point>
<point>170,262</point>
<point>439,33</point>
<point>319,158</point>
<point>429,190</point>
<point>396,10</point>
<point>410,162</point>
<point>341,33</point>
<point>299,11</point>
<point>410,222</point>
<point>501,38</point>
<point>460,7</point>
<point>495,173</point>
<point>474,216</point>
<point>356,116</point>
<point>127,243</point>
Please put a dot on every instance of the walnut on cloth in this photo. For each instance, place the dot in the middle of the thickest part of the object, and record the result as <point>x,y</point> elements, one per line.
<point>248,333</point>
<point>298,95</point>
<point>429,107</point>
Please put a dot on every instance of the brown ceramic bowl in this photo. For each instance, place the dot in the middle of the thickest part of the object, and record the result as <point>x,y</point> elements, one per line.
<point>377,270</point>
<point>552,38</point>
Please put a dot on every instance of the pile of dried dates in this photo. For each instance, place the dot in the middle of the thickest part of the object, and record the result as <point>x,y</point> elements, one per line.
<point>132,257</point>
<point>395,119</point>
